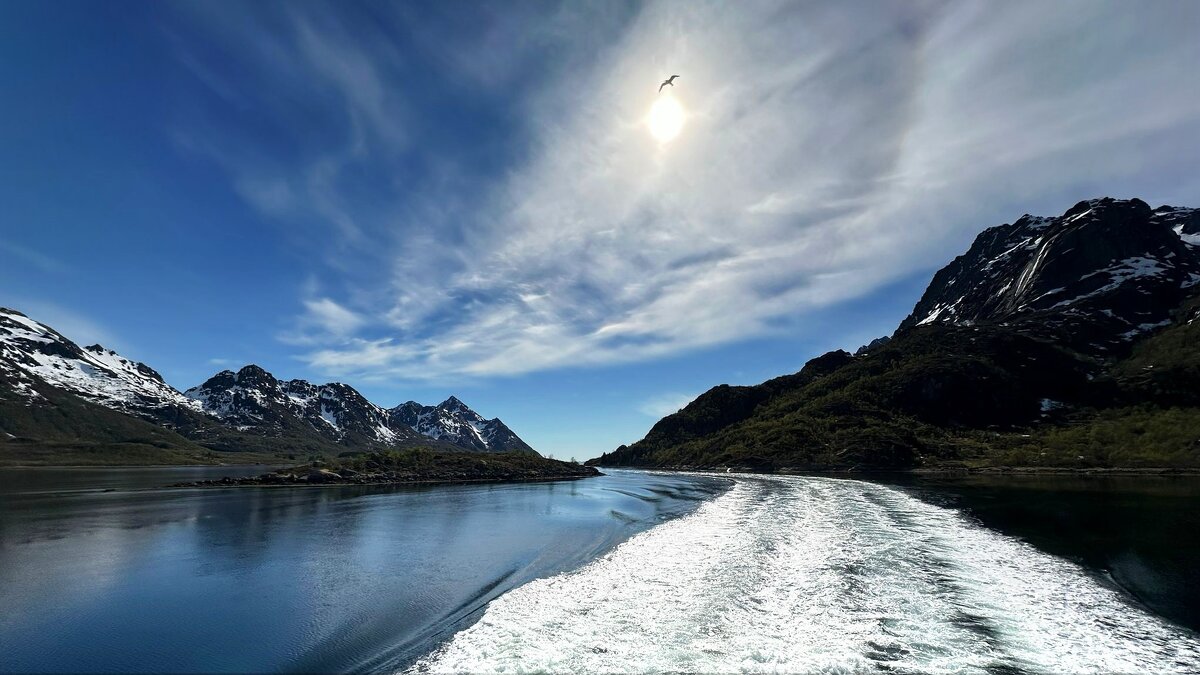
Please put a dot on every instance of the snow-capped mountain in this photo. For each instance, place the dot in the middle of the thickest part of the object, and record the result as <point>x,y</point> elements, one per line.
<point>1096,277</point>
<point>250,409</point>
<point>253,400</point>
<point>452,421</point>
<point>32,352</point>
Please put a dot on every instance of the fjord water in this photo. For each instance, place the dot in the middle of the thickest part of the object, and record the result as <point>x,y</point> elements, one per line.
<point>1139,532</point>
<point>630,571</point>
<point>292,579</point>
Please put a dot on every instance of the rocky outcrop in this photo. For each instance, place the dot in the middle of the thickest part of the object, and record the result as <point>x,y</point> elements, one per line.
<point>1095,278</point>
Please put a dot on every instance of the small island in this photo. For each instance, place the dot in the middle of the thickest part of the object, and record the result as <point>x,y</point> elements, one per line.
<point>414,466</point>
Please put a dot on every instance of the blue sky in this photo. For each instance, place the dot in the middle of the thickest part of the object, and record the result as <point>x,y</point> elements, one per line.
<point>425,199</point>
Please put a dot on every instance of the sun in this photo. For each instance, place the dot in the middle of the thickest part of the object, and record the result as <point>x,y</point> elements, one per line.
<point>666,118</point>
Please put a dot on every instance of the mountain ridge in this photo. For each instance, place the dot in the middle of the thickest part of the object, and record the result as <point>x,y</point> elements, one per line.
<point>1066,341</point>
<point>244,411</point>
<point>1101,274</point>
<point>453,420</point>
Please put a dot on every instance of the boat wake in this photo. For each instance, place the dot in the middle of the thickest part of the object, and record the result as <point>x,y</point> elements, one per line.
<point>813,574</point>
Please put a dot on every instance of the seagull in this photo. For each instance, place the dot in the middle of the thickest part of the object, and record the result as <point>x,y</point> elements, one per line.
<point>670,80</point>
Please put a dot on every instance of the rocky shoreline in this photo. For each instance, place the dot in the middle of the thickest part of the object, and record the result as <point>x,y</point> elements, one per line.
<point>484,472</point>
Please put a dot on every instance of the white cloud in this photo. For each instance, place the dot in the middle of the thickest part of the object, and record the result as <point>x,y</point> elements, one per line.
<point>34,258</point>
<point>665,404</point>
<point>270,194</point>
<point>608,247</point>
<point>332,317</point>
<point>828,149</point>
<point>337,56</point>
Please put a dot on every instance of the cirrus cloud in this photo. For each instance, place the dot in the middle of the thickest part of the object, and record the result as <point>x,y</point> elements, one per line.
<point>828,150</point>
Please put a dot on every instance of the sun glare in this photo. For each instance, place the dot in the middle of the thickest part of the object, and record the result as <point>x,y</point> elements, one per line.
<point>665,120</point>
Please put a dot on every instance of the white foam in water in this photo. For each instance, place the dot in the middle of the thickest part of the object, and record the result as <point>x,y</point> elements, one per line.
<point>810,574</point>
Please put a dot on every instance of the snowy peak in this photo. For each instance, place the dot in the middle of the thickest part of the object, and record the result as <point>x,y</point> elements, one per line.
<point>252,375</point>
<point>408,413</point>
<point>232,410</point>
<point>1102,273</point>
<point>1182,221</point>
<point>32,352</point>
<point>454,422</point>
<point>246,398</point>
<point>120,363</point>
<point>252,399</point>
<point>454,406</point>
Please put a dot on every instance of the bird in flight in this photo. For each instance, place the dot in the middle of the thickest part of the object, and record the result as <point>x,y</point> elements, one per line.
<point>670,80</point>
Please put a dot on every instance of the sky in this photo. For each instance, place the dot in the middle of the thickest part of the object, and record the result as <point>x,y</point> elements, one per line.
<point>426,199</point>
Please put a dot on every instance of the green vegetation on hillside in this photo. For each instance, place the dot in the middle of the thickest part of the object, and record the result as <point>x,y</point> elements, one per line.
<point>417,465</point>
<point>60,428</point>
<point>946,396</point>
<point>423,460</point>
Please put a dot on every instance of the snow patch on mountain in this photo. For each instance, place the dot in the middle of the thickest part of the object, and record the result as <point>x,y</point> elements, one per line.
<point>31,351</point>
<point>253,399</point>
<point>1104,272</point>
<point>250,400</point>
<point>1183,222</point>
<point>452,421</point>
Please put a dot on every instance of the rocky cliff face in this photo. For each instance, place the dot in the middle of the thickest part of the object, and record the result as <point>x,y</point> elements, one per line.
<point>1097,277</point>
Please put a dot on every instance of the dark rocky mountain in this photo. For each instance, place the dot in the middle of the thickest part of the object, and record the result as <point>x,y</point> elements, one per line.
<point>872,345</point>
<point>252,400</point>
<point>59,400</point>
<point>452,421</point>
<point>1104,273</point>
<point>1069,341</point>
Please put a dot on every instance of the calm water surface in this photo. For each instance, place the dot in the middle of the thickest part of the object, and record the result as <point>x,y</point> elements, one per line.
<point>299,579</point>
